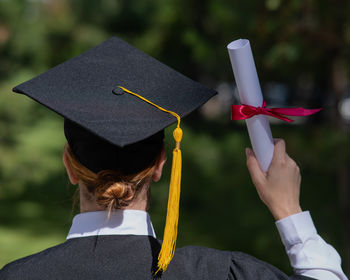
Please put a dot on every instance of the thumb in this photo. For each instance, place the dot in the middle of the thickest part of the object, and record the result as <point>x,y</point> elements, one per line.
<point>258,177</point>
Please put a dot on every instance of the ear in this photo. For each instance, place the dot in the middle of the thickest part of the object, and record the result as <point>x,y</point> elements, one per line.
<point>72,177</point>
<point>159,167</point>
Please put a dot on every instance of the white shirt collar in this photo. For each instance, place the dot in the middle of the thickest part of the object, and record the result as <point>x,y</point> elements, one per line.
<point>121,222</point>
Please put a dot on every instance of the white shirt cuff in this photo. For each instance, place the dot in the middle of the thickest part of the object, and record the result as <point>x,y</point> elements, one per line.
<point>308,253</point>
<point>296,228</point>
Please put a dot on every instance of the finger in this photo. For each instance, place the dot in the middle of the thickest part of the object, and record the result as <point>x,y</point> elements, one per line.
<point>279,153</point>
<point>291,163</point>
<point>254,169</point>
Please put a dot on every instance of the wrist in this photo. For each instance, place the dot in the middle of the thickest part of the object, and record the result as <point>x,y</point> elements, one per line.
<point>284,213</point>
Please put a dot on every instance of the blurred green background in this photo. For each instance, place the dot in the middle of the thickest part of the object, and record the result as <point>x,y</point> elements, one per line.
<point>301,49</point>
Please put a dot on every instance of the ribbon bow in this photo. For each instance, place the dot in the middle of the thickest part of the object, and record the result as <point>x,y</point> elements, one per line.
<point>242,112</point>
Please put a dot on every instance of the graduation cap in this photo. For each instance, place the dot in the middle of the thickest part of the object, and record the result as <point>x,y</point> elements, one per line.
<point>117,95</point>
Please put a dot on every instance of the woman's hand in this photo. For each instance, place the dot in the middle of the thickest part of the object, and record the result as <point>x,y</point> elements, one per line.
<point>279,187</point>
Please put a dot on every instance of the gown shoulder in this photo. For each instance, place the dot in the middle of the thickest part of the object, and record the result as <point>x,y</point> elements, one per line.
<point>135,257</point>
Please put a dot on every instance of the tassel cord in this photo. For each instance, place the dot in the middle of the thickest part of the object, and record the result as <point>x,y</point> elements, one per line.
<point>171,225</point>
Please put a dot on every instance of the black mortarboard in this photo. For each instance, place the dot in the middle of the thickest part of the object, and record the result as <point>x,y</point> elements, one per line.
<point>117,95</point>
<point>85,90</point>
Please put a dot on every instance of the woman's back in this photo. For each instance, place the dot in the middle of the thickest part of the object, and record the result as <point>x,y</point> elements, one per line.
<point>135,257</point>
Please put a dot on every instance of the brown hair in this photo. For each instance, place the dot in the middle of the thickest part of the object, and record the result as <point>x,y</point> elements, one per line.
<point>112,189</point>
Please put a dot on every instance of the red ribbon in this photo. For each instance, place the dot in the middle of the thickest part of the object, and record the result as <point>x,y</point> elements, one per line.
<point>242,112</point>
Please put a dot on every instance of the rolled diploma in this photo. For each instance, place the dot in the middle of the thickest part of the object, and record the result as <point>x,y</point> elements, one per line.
<point>249,91</point>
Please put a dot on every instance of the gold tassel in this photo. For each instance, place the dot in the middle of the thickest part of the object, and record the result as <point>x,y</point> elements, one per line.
<point>170,231</point>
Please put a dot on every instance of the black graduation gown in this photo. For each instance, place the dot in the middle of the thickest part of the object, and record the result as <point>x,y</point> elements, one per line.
<point>135,257</point>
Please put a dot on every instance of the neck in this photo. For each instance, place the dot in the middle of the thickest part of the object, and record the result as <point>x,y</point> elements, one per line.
<point>88,201</point>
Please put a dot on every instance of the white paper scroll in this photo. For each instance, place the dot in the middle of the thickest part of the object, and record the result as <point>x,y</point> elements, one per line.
<point>249,91</point>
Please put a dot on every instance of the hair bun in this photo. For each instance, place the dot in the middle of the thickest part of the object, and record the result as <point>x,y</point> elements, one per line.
<point>116,196</point>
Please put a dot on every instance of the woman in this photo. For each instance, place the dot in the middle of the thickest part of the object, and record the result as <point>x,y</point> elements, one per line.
<point>115,151</point>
